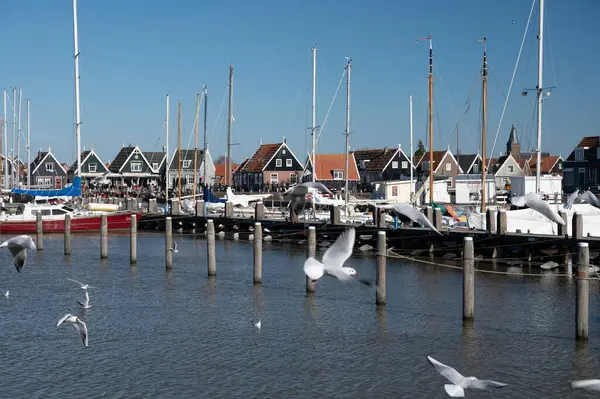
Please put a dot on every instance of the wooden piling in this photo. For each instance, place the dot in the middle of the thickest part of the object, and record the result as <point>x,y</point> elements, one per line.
<point>468,279</point>
<point>334,214</point>
<point>562,228</point>
<point>577,228</point>
<point>200,208</point>
<point>103,237</point>
<point>152,205</point>
<point>228,209</point>
<point>582,298</point>
<point>311,251</point>
<point>133,240</point>
<point>175,207</point>
<point>490,221</point>
<point>259,211</point>
<point>210,246</point>
<point>437,218</point>
<point>502,222</point>
<point>429,213</point>
<point>381,268</point>
<point>293,215</point>
<point>39,230</point>
<point>67,238</point>
<point>168,243</point>
<point>258,243</point>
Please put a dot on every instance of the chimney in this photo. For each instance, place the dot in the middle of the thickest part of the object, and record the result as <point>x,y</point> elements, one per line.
<point>283,139</point>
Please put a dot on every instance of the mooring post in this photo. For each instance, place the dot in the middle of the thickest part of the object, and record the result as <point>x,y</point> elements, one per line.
<point>67,238</point>
<point>152,205</point>
<point>259,211</point>
<point>311,251</point>
<point>39,230</point>
<point>210,247</point>
<point>437,218</point>
<point>258,243</point>
<point>200,208</point>
<point>103,237</point>
<point>429,213</point>
<point>334,214</point>
<point>490,221</point>
<point>468,279</point>
<point>168,243</point>
<point>133,240</point>
<point>228,209</point>
<point>502,222</point>
<point>577,228</point>
<point>175,207</point>
<point>293,215</point>
<point>381,268</point>
<point>562,228</point>
<point>582,298</point>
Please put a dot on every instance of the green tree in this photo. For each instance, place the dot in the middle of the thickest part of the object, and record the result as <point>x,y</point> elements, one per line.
<point>420,151</point>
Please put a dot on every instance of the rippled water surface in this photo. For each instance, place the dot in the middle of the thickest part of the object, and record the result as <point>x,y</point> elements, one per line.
<point>181,335</point>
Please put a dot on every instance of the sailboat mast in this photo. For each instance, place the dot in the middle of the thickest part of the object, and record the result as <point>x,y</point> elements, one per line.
<point>5,139</point>
<point>410,128</point>
<point>348,69</point>
<point>14,135</point>
<point>196,146</point>
<point>179,151</point>
<point>18,169</point>
<point>539,99</point>
<point>483,127</point>
<point>28,146</point>
<point>229,120</point>
<point>205,180</point>
<point>314,112</point>
<point>430,121</point>
<point>167,155</point>
<point>77,108</point>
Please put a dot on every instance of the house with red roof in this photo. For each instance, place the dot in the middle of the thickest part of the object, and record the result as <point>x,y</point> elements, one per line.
<point>330,170</point>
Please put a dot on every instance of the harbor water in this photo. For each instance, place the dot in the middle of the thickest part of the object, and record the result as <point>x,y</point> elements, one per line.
<point>179,334</point>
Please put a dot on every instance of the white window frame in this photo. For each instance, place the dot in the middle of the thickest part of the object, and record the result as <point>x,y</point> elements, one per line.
<point>338,175</point>
<point>138,166</point>
<point>274,177</point>
<point>155,165</point>
<point>560,166</point>
<point>394,164</point>
<point>278,163</point>
<point>283,152</point>
<point>404,164</point>
<point>92,167</point>
<point>579,154</point>
<point>47,181</point>
<point>288,163</point>
<point>49,167</point>
<point>186,163</point>
<point>511,169</point>
<point>448,167</point>
<point>189,179</point>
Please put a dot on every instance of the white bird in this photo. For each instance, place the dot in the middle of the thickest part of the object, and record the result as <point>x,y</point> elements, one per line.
<point>334,259</point>
<point>258,324</point>
<point>571,200</point>
<point>460,382</point>
<point>83,286</point>
<point>18,247</point>
<point>410,212</point>
<point>6,294</point>
<point>302,188</point>
<point>588,197</point>
<point>78,324</point>
<point>591,385</point>
<point>174,247</point>
<point>533,201</point>
<point>86,301</point>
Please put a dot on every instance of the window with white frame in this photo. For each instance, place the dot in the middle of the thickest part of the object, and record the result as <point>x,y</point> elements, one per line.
<point>283,151</point>
<point>579,154</point>
<point>278,163</point>
<point>511,168</point>
<point>47,181</point>
<point>92,167</point>
<point>448,166</point>
<point>404,164</point>
<point>338,175</point>
<point>189,179</point>
<point>49,167</point>
<point>288,162</point>
<point>394,164</point>
<point>476,168</point>
<point>136,166</point>
<point>155,165</point>
<point>274,177</point>
<point>186,163</point>
<point>560,166</point>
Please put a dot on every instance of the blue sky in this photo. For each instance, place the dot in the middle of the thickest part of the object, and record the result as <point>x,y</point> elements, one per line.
<point>135,52</point>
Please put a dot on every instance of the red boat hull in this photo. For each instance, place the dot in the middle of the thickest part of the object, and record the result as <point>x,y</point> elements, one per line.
<point>116,221</point>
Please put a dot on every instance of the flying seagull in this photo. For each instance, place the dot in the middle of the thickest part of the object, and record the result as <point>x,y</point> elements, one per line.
<point>18,247</point>
<point>78,324</point>
<point>591,385</point>
<point>334,259</point>
<point>588,197</point>
<point>86,301</point>
<point>571,200</point>
<point>533,201</point>
<point>460,382</point>
<point>302,188</point>
<point>83,286</point>
<point>174,247</point>
<point>410,212</point>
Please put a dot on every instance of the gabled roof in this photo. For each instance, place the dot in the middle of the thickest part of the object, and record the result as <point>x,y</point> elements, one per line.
<point>186,155</point>
<point>41,158</point>
<point>327,163</point>
<point>155,157</point>
<point>366,155</point>
<point>502,160</point>
<point>378,159</point>
<point>123,157</point>
<point>438,158</point>
<point>261,157</point>
<point>547,163</point>
<point>237,167</point>
<point>84,156</point>
<point>586,142</point>
<point>466,161</point>
<point>220,170</point>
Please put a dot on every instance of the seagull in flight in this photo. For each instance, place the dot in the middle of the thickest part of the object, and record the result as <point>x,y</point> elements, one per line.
<point>412,213</point>
<point>83,286</point>
<point>333,260</point>
<point>78,324</point>
<point>86,301</point>
<point>18,247</point>
<point>460,382</point>
<point>590,385</point>
<point>533,201</point>
<point>174,247</point>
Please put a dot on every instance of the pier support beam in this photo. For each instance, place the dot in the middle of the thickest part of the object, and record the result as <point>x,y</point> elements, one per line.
<point>468,279</point>
<point>175,207</point>
<point>259,211</point>
<point>490,221</point>
<point>67,238</point>
<point>133,240</point>
<point>562,228</point>
<point>334,214</point>
<point>103,237</point>
<point>258,243</point>
<point>210,248</point>
<point>437,219</point>
<point>311,251</point>
<point>582,298</point>
<point>502,222</point>
<point>39,231</point>
<point>380,291</point>
<point>228,209</point>
<point>577,229</point>
<point>200,208</point>
<point>168,243</point>
<point>152,205</point>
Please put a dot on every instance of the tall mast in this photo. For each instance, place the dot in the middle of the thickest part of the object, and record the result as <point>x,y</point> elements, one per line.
<point>348,69</point>
<point>5,139</point>
<point>18,157</point>
<point>167,154</point>
<point>3,164</point>
<point>483,126</point>
<point>77,109</point>
<point>314,112</point>
<point>28,146</point>
<point>14,133</point>
<point>430,121</point>
<point>196,146</point>
<point>179,151</point>
<point>410,128</point>
<point>229,120</point>
<point>539,99</point>
<point>205,181</point>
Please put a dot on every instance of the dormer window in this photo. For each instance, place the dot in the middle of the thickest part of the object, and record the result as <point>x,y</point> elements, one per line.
<point>49,167</point>
<point>579,154</point>
<point>186,163</point>
<point>338,175</point>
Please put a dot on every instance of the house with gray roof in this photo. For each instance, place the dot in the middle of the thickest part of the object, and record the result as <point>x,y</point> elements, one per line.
<point>47,172</point>
<point>92,166</point>
<point>186,160</point>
